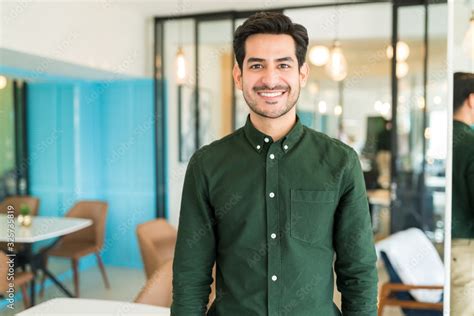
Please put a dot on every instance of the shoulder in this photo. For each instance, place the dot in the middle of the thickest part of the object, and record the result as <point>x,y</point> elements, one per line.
<point>333,149</point>
<point>217,147</point>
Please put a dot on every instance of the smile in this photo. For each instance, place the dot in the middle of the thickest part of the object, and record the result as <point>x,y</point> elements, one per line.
<point>271,94</point>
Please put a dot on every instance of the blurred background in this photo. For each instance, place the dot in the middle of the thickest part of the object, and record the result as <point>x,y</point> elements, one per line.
<point>107,100</point>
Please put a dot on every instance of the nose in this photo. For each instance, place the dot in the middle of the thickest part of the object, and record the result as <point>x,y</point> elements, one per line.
<point>270,78</point>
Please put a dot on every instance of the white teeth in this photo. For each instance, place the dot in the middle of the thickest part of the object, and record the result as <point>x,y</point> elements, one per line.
<point>270,94</point>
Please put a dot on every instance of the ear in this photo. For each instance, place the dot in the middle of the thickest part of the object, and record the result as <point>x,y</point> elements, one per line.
<point>304,74</point>
<point>237,74</point>
<point>470,100</point>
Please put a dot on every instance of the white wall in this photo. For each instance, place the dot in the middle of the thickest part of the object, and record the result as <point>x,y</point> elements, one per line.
<point>462,14</point>
<point>95,34</point>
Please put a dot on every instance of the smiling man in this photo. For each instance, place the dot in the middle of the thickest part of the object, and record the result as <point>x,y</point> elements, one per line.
<point>277,206</point>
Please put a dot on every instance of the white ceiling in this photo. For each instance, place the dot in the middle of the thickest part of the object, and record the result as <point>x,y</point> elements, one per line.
<point>150,8</point>
<point>170,7</point>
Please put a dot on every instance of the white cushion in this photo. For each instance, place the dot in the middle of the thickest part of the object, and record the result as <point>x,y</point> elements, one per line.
<point>416,261</point>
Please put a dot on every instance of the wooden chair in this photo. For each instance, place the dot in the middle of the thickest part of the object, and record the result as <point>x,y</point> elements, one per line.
<point>157,240</point>
<point>84,242</point>
<point>395,293</point>
<point>158,289</point>
<point>21,279</point>
<point>17,201</point>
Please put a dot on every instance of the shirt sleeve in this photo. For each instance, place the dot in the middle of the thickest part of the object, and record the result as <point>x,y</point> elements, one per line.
<point>355,263</point>
<point>470,182</point>
<point>195,247</point>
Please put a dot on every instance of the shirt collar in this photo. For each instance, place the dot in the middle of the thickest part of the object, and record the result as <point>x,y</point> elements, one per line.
<point>462,125</point>
<point>258,139</point>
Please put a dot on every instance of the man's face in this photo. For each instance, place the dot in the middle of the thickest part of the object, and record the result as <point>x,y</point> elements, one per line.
<point>270,78</point>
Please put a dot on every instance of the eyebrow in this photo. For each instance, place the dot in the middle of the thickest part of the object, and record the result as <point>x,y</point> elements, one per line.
<point>256,59</point>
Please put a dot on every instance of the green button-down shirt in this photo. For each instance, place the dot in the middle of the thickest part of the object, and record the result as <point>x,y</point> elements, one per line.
<point>463,181</point>
<point>273,215</point>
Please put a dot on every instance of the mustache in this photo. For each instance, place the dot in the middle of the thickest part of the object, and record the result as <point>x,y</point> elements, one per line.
<point>262,88</point>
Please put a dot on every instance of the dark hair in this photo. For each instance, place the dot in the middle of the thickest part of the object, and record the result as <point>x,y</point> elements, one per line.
<point>463,86</point>
<point>270,23</point>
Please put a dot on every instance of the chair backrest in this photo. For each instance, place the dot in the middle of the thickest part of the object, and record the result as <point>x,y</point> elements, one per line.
<point>3,272</point>
<point>158,290</point>
<point>94,234</point>
<point>17,201</point>
<point>414,260</point>
<point>157,240</point>
<point>394,277</point>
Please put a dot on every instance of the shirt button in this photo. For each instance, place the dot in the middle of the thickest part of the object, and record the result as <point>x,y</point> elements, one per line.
<point>273,236</point>
<point>274,278</point>
<point>285,147</point>
<point>272,156</point>
<point>258,146</point>
<point>272,195</point>
<point>266,139</point>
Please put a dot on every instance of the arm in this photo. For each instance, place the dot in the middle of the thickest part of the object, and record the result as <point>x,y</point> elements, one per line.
<point>195,246</point>
<point>355,264</point>
<point>470,182</point>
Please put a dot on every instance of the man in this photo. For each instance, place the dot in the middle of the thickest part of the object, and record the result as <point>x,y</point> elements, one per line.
<point>272,202</point>
<point>462,251</point>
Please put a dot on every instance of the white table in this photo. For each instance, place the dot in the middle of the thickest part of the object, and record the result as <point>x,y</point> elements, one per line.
<point>81,306</point>
<point>42,228</point>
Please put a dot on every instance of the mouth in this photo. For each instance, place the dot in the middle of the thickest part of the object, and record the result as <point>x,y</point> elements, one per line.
<point>271,95</point>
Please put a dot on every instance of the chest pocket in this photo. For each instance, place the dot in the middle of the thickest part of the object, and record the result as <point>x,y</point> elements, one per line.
<point>312,214</point>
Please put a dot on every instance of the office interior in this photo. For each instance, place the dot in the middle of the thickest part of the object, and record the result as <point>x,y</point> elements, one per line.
<point>111,107</point>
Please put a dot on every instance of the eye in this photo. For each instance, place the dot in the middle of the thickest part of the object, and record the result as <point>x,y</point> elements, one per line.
<point>284,66</point>
<point>256,66</point>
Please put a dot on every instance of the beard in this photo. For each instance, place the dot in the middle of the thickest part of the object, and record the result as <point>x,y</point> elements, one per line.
<point>251,100</point>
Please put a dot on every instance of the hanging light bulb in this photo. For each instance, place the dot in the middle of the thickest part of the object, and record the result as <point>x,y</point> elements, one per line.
<point>3,82</point>
<point>322,107</point>
<point>468,43</point>
<point>337,65</point>
<point>319,55</point>
<point>402,69</point>
<point>403,51</point>
<point>180,66</point>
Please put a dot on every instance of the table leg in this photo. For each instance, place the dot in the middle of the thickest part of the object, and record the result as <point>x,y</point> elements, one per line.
<point>32,292</point>
<point>30,258</point>
<point>56,281</point>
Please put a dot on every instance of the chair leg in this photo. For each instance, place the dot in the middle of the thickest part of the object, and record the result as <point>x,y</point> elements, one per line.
<point>75,268</point>
<point>102,270</point>
<point>384,293</point>
<point>24,292</point>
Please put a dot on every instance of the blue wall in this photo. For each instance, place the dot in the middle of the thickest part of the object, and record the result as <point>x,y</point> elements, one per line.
<point>95,140</point>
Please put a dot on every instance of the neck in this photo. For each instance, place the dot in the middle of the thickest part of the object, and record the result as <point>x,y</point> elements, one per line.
<point>277,127</point>
<point>463,115</point>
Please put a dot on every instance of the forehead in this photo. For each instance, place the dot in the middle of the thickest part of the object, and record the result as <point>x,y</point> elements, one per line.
<point>270,46</point>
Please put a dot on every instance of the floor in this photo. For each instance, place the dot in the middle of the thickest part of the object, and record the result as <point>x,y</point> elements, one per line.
<point>125,285</point>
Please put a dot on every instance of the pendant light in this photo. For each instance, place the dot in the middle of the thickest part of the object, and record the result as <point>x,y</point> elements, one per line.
<point>319,55</point>
<point>180,64</point>
<point>3,82</point>
<point>337,65</point>
<point>403,51</point>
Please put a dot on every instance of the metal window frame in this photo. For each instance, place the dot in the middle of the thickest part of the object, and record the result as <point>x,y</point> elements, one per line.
<point>160,89</point>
